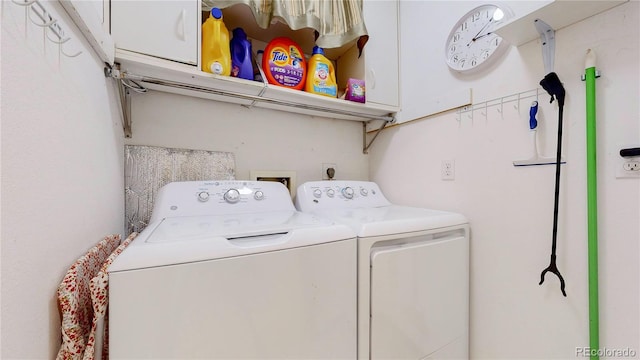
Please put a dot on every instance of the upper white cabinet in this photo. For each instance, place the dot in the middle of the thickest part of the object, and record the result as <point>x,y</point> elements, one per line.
<point>381,53</point>
<point>160,51</point>
<point>379,63</point>
<point>168,29</point>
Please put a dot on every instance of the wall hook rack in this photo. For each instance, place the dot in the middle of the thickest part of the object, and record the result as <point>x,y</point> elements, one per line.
<point>498,103</point>
<point>46,21</point>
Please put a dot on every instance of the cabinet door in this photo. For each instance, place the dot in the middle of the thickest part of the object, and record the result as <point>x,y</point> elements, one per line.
<point>165,29</point>
<point>381,52</point>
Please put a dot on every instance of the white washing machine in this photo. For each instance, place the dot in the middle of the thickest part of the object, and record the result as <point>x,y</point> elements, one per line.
<point>229,269</point>
<point>413,271</point>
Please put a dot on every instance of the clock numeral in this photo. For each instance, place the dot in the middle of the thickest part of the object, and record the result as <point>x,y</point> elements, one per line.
<point>452,49</point>
<point>476,17</point>
<point>474,62</point>
<point>456,37</point>
<point>464,26</point>
<point>496,41</point>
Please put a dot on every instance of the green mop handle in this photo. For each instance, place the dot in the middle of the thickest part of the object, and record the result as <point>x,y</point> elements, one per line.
<point>592,203</point>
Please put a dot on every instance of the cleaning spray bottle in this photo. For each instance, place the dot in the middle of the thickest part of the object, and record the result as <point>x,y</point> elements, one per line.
<point>216,55</point>
<point>241,65</point>
<point>321,76</point>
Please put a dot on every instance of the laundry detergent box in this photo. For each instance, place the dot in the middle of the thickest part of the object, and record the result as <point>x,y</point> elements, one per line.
<point>284,63</point>
<point>355,90</point>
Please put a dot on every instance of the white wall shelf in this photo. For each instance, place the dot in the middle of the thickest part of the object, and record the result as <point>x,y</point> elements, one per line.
<point>172,77</point>
<point>557,13</point>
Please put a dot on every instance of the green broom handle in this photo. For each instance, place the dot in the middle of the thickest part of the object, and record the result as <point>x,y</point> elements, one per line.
<point>592,205</point>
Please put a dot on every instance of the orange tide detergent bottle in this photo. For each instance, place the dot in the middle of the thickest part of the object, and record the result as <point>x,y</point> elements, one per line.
<point>284,64</point>
<point>216,54</point>
<point>321,75</point>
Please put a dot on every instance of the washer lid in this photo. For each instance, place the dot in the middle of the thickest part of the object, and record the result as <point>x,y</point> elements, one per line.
<point>187,239</point>
<point>392,219</point>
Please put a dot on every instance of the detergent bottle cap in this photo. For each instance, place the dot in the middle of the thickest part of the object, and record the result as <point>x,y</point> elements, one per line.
<point>216,13</point>
<point>318,50</point>
<point>239,33</point>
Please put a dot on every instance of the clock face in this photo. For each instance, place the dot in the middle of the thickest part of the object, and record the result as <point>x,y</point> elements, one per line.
<point>472,42</point>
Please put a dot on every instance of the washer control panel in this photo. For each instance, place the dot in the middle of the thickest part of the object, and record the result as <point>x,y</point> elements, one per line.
<point>329,194</point>
<point>193,198</point>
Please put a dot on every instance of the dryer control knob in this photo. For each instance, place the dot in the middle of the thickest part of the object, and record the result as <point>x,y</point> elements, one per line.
<point>232,196</point>
<point>258,195</point>
<point>317,193</point>
<point>331,193</point>
<point>364,192</point>
<point>203,196</point>
<point>348,192</point>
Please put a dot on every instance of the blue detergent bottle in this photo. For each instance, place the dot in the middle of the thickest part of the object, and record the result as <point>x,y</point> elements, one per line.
<point>241,65</point>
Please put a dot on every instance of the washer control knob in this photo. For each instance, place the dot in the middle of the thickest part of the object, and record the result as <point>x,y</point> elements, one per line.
<point>258,195</point>
<point>203,196</point>
<point>317,193</point>
<point>364,192</point>
<point>232,196</point>
<point>348,192</point>
<point>331,193</point>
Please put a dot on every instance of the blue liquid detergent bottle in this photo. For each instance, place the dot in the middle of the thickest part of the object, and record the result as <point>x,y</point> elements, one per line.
<point>241,65</point>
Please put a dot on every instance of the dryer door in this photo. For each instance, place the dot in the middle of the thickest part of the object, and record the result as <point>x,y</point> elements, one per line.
<point>420,298</point>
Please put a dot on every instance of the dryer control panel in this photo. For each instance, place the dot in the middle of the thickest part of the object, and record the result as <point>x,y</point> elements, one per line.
<point>339,194</point>
<point>192,198</point>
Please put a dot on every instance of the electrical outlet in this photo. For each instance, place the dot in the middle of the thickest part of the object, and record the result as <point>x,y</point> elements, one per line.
<point>448,170</point>
<point>325,168</point>
<point>628,168</point>
<point>631,166</point>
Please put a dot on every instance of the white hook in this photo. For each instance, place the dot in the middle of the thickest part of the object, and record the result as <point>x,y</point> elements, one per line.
<point>67,55</point>
<point>59,42</point>
<point>46,23</point>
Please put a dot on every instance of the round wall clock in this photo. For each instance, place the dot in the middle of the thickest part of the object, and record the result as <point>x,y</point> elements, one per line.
<point>472,43</point>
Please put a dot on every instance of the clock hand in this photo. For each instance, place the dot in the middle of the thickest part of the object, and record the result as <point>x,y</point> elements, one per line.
<point>481,30</point>
<point>481,36</point>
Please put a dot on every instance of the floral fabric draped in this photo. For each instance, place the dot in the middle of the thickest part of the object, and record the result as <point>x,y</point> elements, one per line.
<point>82,298</point>
<point>337,22</point>
<point>99,287</point>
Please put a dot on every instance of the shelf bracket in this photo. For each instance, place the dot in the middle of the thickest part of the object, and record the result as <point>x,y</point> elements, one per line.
<point>365,145</point>
<point>125,86</point>
<point>548,38</point>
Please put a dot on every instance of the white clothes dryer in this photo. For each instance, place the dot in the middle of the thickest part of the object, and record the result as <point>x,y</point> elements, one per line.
<point>413,271</point>
<point>229,269</point>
